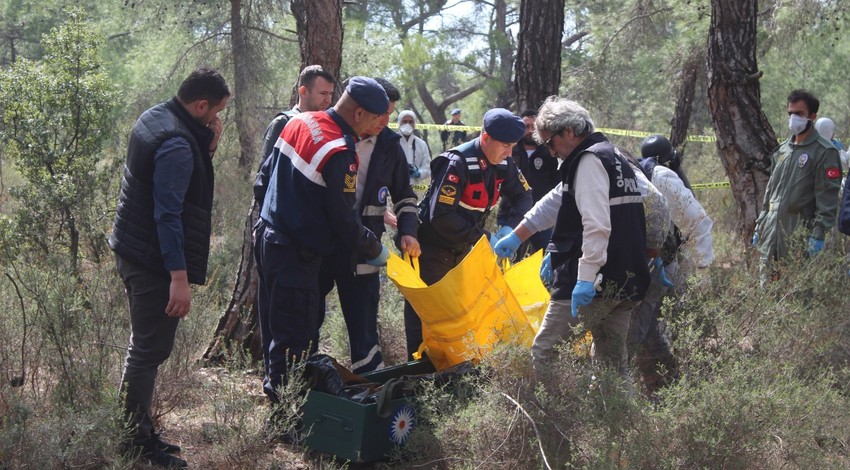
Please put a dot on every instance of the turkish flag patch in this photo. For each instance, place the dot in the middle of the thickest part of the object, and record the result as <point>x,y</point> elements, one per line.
<point>352,168</point>
<point>833,173</point>
<point>452,178</point>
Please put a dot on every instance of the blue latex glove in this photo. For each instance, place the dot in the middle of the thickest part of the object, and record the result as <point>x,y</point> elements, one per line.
<point>493,240</point>
<point>504,231</point>
<point>506,246</point>
<point>583,293</point>
<point>381,260</point>
<point>755,239</point>
<point>815,246</point>
<point>662,274</point>
<point>546,269</point>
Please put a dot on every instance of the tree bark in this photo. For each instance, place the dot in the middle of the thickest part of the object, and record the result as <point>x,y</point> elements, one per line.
<point>242,83</point>
<point>745,138</point>
<point>319,25</point>
<point>538,62</point>
<point>685,97</point>
<point>503,45</point>
<point>320,32</point>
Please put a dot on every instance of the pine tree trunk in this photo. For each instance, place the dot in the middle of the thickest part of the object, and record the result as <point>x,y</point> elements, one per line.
<point>694,64</point>
<point>745,138</point>
<point>319,25</point>
<point>247,128</point>
<point>538,62</point>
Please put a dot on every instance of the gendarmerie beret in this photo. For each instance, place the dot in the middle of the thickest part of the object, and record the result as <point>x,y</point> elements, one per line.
<point>368,94</point>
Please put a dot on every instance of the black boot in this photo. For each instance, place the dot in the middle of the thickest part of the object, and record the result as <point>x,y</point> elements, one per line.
<point>166,447</point>
<point>148,450</point>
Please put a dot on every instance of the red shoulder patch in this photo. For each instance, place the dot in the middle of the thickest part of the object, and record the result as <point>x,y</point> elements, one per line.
<point>352,168</point>
<point>833,173</point>
<point>452,178</point>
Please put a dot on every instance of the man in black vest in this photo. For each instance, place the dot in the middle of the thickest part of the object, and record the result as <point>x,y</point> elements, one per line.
<point>161,238</point>
<point>599,240</point>
<point>466,183</point>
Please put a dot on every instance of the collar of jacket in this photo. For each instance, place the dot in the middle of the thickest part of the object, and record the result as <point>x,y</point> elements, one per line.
<point>202,133</point>
<point>585,144</point>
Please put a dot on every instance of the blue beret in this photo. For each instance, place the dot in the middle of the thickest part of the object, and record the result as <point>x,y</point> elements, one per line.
<point>455,111</point>
<point>503,125</point>
<point>368,94</point>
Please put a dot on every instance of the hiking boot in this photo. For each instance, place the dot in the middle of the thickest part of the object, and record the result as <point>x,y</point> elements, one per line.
<point>166,447</point>
<point>148,450</point>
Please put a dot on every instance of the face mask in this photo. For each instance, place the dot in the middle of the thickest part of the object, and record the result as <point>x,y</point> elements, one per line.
<point>406,129</point>
<point>797,124</point>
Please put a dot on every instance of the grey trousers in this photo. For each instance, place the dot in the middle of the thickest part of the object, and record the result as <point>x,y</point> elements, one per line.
<point>607,320</point>
<point>152,335</point>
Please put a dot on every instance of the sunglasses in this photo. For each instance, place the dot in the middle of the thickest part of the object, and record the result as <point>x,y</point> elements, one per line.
<point>548,142</point>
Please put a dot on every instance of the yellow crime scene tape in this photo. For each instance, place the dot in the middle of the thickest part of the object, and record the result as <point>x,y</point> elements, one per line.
<point>605,130</point>
<point>716,184</point>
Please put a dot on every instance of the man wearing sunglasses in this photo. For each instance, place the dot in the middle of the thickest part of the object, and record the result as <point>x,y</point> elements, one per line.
<point>598,247</point>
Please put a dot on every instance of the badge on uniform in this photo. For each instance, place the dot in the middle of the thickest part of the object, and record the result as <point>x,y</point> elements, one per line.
<point>452,178</point>
<point>350,184</point>
<point>538,163</point>
<point>447,194</point>
<point>833,173</point>
<point>523,181</point>
<point>804,158</point>
<point>352,168</point>
<point>382,195</point>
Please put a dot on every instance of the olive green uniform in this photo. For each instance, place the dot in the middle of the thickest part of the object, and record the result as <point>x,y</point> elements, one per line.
<point>803,188</point>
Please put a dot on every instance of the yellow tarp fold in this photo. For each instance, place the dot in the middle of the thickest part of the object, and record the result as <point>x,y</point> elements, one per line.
<point>474,306</point>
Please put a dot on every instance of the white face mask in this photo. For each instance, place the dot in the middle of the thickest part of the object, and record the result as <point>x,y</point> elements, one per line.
<point>797,124</point>
<point>406,129</point>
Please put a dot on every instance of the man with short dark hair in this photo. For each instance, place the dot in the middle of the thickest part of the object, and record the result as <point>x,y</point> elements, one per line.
<point>382,173</point>
<point>161,238</point>
<point>466,184</point>
<point>803,188</point>
<point>315,92</point>
<point>308,209</point>
<point>540,169</point>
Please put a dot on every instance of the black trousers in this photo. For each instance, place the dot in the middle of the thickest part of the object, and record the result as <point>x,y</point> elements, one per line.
<point>358,298</point>
<point>288,303</point>
<point>152,335</point>
<point>434,263</point>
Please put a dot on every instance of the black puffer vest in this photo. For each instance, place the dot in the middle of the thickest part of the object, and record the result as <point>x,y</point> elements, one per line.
<point>625,275</point>
<point>134,235</point>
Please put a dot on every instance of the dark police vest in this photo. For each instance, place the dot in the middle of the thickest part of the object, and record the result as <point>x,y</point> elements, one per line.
<point>295,198</point>
<point>625,275</point>
<point>134,235</point>
<point>478,197</point>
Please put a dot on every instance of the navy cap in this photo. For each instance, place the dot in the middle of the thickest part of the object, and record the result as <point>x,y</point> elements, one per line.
<point>368,94</point>
<point>455,111</point>
<point>503,125</point>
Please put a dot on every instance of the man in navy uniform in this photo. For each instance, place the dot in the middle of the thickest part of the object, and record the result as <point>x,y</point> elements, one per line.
<point>540,169</point>
<point>308,207</point>
<point>466,183</point>
<point>382,173</point>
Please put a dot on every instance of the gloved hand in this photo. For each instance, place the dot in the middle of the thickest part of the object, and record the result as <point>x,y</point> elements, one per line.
<point>755,239</point>
<point>546,269</point>
<point>504,231</point>
<point>506,246</point>
<point>662,274</point>
<point>380,260</point>
<point>414,172</point>
<point>583,293</point>
<point>815,246</point>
